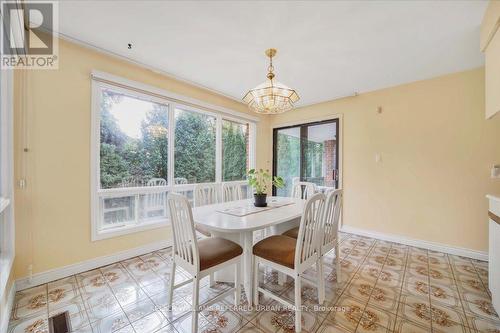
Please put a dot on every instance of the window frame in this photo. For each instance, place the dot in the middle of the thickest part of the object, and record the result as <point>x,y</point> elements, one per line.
<point>100,81</point>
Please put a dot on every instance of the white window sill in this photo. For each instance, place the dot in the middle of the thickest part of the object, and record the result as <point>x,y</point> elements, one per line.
<point>128,229</point>
<point>4,203</point>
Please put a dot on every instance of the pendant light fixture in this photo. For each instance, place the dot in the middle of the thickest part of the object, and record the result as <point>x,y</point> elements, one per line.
<point>271,97</point>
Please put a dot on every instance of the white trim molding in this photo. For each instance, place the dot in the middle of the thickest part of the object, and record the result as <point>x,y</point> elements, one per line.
<point>459,251</point>
<point>5,315</point>
<point>7,225</point>
<point>83,266</point>
<point>4,203</point>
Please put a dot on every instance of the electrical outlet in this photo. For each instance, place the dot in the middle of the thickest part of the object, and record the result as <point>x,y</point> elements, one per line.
<point>495,171</point>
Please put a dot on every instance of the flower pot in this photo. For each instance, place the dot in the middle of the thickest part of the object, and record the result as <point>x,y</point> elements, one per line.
<point>260,200</point>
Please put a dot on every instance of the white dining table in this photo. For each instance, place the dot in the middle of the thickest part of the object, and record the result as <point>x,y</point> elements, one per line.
<point>224,220</point>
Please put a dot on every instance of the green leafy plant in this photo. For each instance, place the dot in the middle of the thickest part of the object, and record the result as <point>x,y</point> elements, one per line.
<point>259,179</point>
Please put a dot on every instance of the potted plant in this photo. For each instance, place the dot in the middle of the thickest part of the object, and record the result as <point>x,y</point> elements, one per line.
<point>259,179</point>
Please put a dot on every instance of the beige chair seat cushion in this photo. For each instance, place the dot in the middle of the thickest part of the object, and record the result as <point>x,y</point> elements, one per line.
<point>202,229</point>
<point>294,233</point>
<point>214,251</point>
<point>279,249</point>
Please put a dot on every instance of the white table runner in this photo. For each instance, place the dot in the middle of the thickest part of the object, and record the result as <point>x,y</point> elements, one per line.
<point>249,208</point>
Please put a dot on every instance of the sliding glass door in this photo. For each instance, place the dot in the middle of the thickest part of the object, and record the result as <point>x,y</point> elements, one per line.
<point>306,152</point>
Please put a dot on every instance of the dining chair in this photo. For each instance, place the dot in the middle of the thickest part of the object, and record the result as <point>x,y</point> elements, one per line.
<point>294,256</point>
<point>303,190</point>
<point>332,211</point>
<point>180,181</point>
<point>231,192</point>
<point>205,194</point>
<point>331,216</point>
<point>199,258</point>
<point>155,203</point>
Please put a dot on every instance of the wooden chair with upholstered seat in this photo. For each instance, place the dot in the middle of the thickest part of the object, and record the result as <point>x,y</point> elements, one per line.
<point>332,210</point>
<point>199,258</point>
<point>294,256</point>
<point>231,192</point>
<point>303,190</point>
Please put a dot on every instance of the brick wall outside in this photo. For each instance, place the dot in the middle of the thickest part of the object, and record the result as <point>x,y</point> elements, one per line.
<point>329,158</point>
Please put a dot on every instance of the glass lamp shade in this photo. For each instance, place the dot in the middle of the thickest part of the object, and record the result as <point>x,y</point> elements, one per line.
<point>271,97</point>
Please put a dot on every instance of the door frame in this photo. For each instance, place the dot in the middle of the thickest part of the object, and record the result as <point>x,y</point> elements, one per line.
<point>312,121</point>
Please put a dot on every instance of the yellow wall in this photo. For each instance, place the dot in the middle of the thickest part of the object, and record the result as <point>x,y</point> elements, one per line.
<point>53,212</point>
<point>436,153</point>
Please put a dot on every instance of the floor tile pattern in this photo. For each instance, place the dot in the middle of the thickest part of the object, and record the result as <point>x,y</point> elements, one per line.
<point>385,287</point>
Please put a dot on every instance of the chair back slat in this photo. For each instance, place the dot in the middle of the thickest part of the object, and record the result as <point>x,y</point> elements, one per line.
<point>303,190</point>
<point>206,194</point>
<point>156,202</point>
<point>185,244</point>
<point>231,192</point>
<point>332,210</point>
<point>311,229</point>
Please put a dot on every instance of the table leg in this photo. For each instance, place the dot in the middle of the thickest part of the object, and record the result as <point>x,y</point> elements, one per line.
<point>247,242</point>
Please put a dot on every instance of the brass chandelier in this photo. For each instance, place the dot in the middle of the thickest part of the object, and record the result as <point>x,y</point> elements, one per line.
<point>271,97</point>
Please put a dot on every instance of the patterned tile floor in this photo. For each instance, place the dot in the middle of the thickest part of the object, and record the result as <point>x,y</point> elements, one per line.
<point>386,287</point>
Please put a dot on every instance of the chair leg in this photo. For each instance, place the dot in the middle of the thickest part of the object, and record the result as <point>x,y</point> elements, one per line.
<point>196,289</point>
<point>337,259</point>
<point>211,280</point>
<point>237,284</point>
<point>321,280</point>
<point>298,304</point>
<point>255,281</point>
<point>171,283</point>
<point>281,278</point>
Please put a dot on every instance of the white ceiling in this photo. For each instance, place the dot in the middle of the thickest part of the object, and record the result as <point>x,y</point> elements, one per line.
<point>325,49</point>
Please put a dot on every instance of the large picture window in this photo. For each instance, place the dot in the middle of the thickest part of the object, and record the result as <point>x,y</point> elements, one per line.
<point>147,145</point>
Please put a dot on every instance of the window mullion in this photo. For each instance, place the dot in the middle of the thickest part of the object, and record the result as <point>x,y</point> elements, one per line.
<point>171,143</point>
<point>137,199</point>
<point>96,211</point>
<point>218,150</point>
<point>252,144</point>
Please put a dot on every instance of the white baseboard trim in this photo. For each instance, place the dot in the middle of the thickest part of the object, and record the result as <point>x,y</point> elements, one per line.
<point>59,273</point>
<point>480,255</point>
<point>4,322</point>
